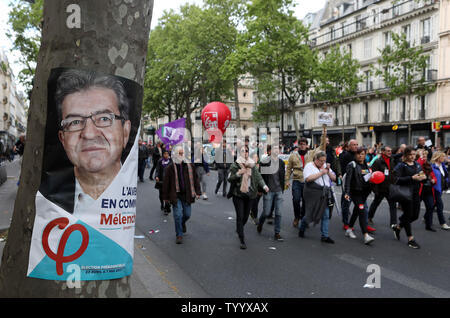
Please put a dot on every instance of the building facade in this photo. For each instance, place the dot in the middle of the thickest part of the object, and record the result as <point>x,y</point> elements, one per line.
<point>365,27</point>
<point>12,106</point>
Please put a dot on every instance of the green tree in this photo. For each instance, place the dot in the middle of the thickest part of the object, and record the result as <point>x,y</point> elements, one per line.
<point>186,52</point>
<point>25,21</point>
<point>275,51</point>
<point>338,77</point>
<point>402,67</point>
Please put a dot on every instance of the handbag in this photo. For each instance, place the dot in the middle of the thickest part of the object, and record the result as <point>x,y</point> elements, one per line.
<point>399,193</point>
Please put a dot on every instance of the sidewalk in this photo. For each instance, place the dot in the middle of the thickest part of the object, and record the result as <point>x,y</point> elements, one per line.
<point>154,274</point>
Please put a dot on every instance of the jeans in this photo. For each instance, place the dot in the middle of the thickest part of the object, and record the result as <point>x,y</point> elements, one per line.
<point>345,207</point>
<point>141,169</point>
<point>324,223</point>
<point>254,203</point>
<point>223,177</point>
<point>297,197</point>
<point>201,178</point>
<point>430,205</point>
<point>392,208</point>
<point>181,213</point>
<point>269,199</point>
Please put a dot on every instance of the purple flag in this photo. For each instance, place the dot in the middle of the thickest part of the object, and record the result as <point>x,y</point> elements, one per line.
<point>172,133</point>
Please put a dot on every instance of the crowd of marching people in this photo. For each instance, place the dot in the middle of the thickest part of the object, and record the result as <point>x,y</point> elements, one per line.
<point>403,176</point>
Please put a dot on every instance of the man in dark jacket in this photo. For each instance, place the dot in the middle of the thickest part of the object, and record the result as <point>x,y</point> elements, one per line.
<point>272,171</point>
<point>345,158</point>
<point>157,154</point>
<point>385,164</point>
<point>142,157</point>
<point>224,159</point>
<point>180,187</point>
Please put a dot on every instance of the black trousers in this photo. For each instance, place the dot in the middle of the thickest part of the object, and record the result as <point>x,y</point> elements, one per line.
<point>242,207</point>
<point>411,211</point>
<point>359,200</point>
<point>222,178</point>
<point>376,202</point>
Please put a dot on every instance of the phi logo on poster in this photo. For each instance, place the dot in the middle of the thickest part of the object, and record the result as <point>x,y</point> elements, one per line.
<point>59,257</point>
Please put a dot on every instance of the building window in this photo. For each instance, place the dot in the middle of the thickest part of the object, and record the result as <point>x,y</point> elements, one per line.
<point>403,109</point>
<point>366,113</point>
<point>349,113</point>
<point>368,48</point>
<point>387,38</point>
<point>426,31</point>
<point>422,107</point>
<point>386,110</point>
<point>406,29</point>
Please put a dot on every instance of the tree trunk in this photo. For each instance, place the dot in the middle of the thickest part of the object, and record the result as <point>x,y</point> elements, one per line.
<point>111,37</point>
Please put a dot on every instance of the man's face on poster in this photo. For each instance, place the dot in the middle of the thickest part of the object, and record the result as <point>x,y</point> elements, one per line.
<point>96,148</point>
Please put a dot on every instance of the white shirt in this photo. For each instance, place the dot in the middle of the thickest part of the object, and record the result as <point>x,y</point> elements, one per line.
<point>442,170</point>
<point>83,202</point>
<point>311,169</point>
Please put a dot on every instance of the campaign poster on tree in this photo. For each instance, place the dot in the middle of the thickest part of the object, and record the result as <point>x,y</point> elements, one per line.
<point>86,202</point>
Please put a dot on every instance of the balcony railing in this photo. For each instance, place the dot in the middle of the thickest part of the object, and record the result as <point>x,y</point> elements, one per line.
<point>363,23</point>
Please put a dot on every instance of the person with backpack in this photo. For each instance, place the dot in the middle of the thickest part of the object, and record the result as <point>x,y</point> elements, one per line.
<point>409,175</point>
<point>357,189</point>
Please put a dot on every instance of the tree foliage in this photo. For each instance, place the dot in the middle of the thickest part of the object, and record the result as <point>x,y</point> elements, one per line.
<point>402,67</point>
<point>25,21</point>
<point>337,77</point>
<point>186,52</point>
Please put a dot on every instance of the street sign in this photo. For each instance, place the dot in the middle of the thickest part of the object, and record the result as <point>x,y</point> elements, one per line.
<point>395,127</point>
<point>325,118</point>
<point>436,126</point>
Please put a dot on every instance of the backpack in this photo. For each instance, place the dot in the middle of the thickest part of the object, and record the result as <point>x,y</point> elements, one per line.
<point>353,163</point>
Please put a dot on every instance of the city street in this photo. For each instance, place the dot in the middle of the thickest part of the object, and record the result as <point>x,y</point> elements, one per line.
<point>211,257</point>
<point>209,263</point>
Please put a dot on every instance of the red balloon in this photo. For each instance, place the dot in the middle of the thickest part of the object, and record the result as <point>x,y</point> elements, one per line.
<point>377,177</point>
<point>216,117</point>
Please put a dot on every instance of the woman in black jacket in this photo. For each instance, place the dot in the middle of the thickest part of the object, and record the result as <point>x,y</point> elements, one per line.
<point>410,174</point>
<point>160,166</point>
<point>357,189</point>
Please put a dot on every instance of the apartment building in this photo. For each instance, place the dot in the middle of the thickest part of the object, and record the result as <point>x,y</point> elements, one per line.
<point>364,27</point>
<point>12,105</point>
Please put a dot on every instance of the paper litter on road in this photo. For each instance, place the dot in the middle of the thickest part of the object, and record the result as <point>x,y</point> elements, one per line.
<point>230,218</point>
<point>139,236</point>
<point>272,248</point>
<point>153,231</point>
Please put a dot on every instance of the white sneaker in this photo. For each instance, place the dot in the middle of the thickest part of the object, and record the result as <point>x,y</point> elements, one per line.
<point>368,239</point>
<point>448,192</point>
<point>205,197</point>
<point>349,233</point>
<point>445,227</point>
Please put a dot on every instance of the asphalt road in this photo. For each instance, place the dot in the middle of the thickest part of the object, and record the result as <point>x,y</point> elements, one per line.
<point>211,258</point>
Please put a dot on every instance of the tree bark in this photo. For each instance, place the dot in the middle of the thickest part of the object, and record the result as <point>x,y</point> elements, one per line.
<point>112,38</point>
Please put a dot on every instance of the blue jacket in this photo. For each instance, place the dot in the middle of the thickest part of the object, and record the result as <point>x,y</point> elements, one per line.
<point>437,173</point>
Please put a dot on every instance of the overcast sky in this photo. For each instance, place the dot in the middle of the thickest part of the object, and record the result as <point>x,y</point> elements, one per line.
<point>302,8</point>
